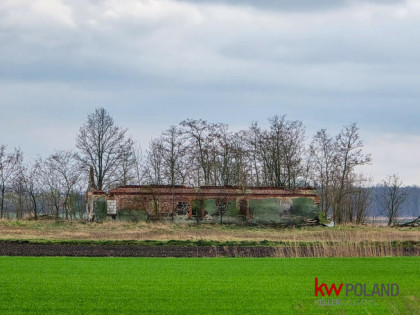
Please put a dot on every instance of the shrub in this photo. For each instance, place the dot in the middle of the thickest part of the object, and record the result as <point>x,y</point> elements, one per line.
<point>304,207</point>
<point>131,215</point>
<point>100,209</point>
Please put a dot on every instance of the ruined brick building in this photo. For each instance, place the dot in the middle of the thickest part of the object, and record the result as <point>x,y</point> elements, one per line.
<point>161,201</point>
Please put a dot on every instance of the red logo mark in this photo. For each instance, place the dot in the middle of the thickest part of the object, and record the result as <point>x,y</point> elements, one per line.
<point>318,289</point>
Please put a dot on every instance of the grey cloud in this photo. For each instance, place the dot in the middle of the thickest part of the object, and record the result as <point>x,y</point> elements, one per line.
<point>210,55</point>
<point>293,5</point>
<point>230,64</point>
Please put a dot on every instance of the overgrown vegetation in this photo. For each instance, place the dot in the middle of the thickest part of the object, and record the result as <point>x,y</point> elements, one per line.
<point>131,215</point>
<point>100,209</point>
<point>304,207</point>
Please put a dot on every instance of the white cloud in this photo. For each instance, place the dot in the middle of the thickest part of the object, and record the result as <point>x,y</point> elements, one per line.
<point>26,14</point>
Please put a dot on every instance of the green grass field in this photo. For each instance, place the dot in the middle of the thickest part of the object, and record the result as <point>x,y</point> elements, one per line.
<point>199,285</point>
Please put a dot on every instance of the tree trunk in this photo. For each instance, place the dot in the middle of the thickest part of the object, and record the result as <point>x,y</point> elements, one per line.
<point>34,207</point>
<point>2,202</point>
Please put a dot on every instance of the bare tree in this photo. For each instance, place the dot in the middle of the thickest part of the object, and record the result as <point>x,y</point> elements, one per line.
<point>293,151</point>
<point>393,197</point>
<point>33,187</point>
<point>174,156</point>
<point>349,154</point>
<point>273,151</point>
<point>223,158</point>
<point>322,150</point>
<point>154,163</point>
<point>334,162</point>
<point>60,174</point>
<point>9,166</point>
<point>138,165</point>
<point>252,148</point>
<point>51,180</point>
<point>126,172</point>
<point>174,160</point>
<point>240,166</point>
<point>102,145</point>
<point>201,136</point>
<point>18,191</point>
<point>63,168</point>
<point>280,151</point>
<point>361,199</point>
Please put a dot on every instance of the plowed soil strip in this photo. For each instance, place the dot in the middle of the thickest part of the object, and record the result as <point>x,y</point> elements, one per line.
<point>23,249</point>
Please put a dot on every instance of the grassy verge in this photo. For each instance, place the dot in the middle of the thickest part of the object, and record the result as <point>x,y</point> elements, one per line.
<point>192,286</point>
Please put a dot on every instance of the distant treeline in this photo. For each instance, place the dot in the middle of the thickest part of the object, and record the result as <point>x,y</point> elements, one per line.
<point>194,153</point>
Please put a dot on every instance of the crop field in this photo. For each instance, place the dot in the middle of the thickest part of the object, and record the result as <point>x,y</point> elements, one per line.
<point>202,285</point>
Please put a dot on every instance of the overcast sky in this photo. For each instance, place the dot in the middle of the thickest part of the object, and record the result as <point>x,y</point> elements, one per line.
<point>153,63</point>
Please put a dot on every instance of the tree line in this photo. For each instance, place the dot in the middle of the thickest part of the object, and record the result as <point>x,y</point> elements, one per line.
<point>196,153</point>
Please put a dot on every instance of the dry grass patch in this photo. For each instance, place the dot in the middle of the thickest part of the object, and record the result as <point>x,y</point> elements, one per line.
<point>115,230</point>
